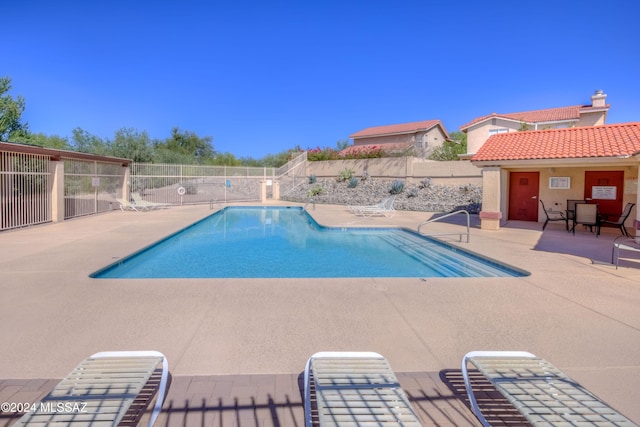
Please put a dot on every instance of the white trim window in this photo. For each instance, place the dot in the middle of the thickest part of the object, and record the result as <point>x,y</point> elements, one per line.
<point>421,141</point>
<point>497,131</point>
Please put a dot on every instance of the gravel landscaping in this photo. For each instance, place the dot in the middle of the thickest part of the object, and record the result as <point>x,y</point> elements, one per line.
<point>425,196</point>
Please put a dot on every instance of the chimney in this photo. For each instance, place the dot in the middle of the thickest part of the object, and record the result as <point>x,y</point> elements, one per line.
<point>598,99</point>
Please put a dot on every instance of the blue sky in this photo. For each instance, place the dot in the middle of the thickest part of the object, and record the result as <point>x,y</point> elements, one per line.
<point>264,76</point>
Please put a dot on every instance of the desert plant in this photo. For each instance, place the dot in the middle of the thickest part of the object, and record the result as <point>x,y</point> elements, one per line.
<point>397,187</point>
<point>353,182</point>
<point>412,192</point>
<point>312,179</point>
<point>425,183</point>
<point>345,174</point>
<point>365,176</point>
<point>315,191</point>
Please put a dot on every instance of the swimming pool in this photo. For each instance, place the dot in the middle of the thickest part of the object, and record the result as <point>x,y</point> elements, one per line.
<point>286,242</point>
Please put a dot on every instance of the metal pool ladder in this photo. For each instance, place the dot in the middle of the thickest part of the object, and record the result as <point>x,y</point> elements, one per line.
<point>447,216</point>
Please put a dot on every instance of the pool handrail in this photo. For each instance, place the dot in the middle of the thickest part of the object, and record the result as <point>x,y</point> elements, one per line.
<point>311,200</point>
<point>443,217</point>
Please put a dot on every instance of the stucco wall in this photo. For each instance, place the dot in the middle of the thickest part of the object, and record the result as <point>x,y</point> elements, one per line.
<point>592,119</point>
<point>556,199</point>
<point>434,137</point>
<point>387,139</point>
<point>478,134</point>
<point>411,169</point>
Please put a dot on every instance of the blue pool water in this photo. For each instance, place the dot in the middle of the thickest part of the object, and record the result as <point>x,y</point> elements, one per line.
<point>280,242</point>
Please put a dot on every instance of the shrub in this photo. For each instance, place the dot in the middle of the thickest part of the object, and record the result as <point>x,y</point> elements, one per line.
<point>353,152</point>
<point>412,192</point>
<point>353,182</point>
<point>425,183</point>
<point>345,175</point>
<point>397,187</point>
<point>365,152</point>
<point>315,191</point>
<point>312,179</point>
<point>318,154</point>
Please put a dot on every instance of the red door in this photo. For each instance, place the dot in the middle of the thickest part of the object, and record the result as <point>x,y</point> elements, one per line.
<point>605,188</point>
<point>523,196</point>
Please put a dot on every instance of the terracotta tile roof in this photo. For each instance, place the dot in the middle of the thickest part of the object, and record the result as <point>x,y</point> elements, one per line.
<point>537,116</point>
<point>396,129</point>
<point>591,141</point>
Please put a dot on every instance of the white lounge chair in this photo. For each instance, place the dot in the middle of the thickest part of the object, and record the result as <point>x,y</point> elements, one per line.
<point>100,391</point>
<point>539,391</point>
<point>384,208</point>
<point>140,202</point>
<point>354,389</point>
<point>126,205</point>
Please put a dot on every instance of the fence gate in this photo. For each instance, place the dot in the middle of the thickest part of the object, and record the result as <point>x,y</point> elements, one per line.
<point>91,187</point>
<point>25,188</point>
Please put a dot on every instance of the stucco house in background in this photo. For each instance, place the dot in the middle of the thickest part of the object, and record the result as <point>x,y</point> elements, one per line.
<point>599,164</point>
<point>422,136</point>
<point>480,129</point>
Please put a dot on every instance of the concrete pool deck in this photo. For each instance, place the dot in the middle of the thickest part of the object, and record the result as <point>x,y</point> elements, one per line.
<point>236,347</point>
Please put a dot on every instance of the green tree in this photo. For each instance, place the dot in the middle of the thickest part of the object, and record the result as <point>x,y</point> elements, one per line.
<point>250,161</point>
<point>11,110</point>
<point>128,143</point>
<point>524,127</point>
<point>47,141</point>
<point>342,144</point>
<point>449,150</point>
<point>161,154</point>
<point>279,159</point>
<point>85,142</point>
<point>224,159</point>
<point>186,144</point>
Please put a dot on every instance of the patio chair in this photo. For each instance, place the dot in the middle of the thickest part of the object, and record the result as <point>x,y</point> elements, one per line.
<point>542,393</point>
<point>552,216</point>
<point>587,215</point>
<point>384,208</point>
<point>354,389</point>
<point>140,202</point>
<point>571,210</point>
<point>100,391</point>
<point>619,222</point>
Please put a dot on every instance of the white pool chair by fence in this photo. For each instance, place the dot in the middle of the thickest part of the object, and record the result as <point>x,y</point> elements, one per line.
<point>140,202</point>
<point>100,391</point>
<point>125,205</point>
<point>542,393</point>
<point>354,389</point>
<point>384,208</point>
